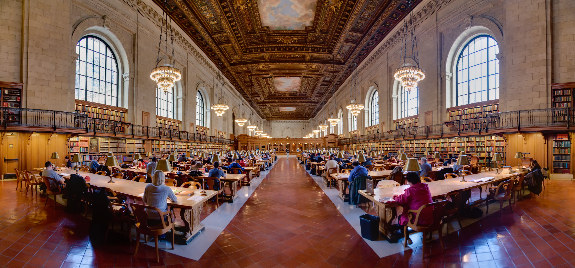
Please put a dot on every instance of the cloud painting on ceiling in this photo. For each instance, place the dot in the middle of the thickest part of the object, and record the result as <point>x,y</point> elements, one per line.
<point>287,14</point>
<point>287,109</point>
<point>287,84</point>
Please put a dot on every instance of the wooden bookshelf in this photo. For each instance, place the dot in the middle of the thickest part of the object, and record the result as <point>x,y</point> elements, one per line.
<point>79,145</point>
<point>561,154</point>
<point>407,122</point>
<point>101,111</point>
<point>11,97</point>
<point>562,95</point>
<point>473,111</point>
<point>168,123</point>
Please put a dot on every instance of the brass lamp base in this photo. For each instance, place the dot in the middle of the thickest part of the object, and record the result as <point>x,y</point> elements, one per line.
<point>111,180</point>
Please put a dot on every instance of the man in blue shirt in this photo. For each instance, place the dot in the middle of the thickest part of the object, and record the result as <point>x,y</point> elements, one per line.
<point>235,165</point>
<point>425,168</point>
<point>357,171</point>
<point>216,172</point>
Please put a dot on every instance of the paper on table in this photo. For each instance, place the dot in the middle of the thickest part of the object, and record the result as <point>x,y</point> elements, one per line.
<point>141,195</point>
<point>196,198</point>
<point>486,179</point>
<point>64,174</point>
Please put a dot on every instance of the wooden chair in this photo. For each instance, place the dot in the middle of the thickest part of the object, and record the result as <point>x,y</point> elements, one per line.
<point>501,193</point>
<point>140,178</point>
<point>144,227</point>
<point>192,184</point>
<point>450,176</point>
<point>49,191</point>
<point>84,169</point>
<point>455,201</point>
<point>330,181</point>
<point>103,173</point>
<point>437,209</point>
<point>19,180</point>
<point>465,172</point>
<point>346,170</point>
<point>118,175</point>
<point>170,182</point>
<point>426,179</point>
<point>518,186</point>
<point>397,175</point>
<point>235,171</point>
<point>32,182</point>
<point>209,183</point>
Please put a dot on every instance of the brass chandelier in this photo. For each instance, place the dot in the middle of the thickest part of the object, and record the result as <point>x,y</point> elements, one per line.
<point>165,76</point>
<point>354,108</point>
<point>409,74</point>
<point>242,120</point>
<point>220,108</point>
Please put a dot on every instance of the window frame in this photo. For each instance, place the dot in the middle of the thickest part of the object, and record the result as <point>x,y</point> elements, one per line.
<point>373,109</point>
<point>403,108</point>
<point>159,100</point>
<point>114,93</point>
<point>200,109</point>
<point>486,62</point>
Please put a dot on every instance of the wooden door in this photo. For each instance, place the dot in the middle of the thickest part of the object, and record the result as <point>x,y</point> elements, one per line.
<point>10,155</point>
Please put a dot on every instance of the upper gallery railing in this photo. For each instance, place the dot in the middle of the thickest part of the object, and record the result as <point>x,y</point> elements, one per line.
<point>81,123</point>
<point>494,123</point>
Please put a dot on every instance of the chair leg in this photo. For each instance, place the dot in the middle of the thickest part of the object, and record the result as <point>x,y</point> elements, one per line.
<point>157,251</point>
<point>137,242</point>
<point>405,236</point>
<point>173,235</point>
<point>441,238</point>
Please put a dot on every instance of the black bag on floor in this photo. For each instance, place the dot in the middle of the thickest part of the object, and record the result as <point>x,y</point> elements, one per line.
<point>101,217</point>
<point>75,189</point>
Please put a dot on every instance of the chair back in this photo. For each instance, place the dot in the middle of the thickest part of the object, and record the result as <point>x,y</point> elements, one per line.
<point>503,190</point>
<point>141,214</point>
<point>369,167</point>
<point>101,173</point>
<point>346,170</point>
<point>140,178</point>
<point>331,171</point>
<point>192,184</point>
<point>170,182</point>
<point>235,171</point>
<point>465,172</point>
<point>397,175</point>
<point>450,175</point>
<point>518,182</point>
<point>49,189</point>
<point>436,209</point>
<point>118,175</point>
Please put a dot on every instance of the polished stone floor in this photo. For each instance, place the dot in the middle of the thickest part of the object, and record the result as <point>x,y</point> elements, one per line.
<point>290,222</point>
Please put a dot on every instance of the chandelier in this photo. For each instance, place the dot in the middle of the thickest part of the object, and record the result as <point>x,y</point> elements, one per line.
<point>220,108</point>
<point>251,127</point>
<point>355,108</point>
<point>409,74</point>
<point>167,75</point>
<point>323,127</point>
<point>241,121</point>
<point>333,121</point>
<point>259,132</point>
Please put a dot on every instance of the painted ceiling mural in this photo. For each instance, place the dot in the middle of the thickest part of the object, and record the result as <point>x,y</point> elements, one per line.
<point>287,14</point>
<point>287,53</point>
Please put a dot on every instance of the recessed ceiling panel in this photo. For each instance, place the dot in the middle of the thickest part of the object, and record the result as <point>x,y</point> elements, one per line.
<point>287,14</point>
<point>286,109</point>
<point>287,84</point>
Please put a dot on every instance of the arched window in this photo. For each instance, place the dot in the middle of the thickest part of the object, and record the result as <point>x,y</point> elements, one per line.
<point>340,123</point>
<point>165,103</point>
<point>96,72</point>
<point>373,108</point>
<point>351,121</point>
<point>200,110</point>
<point>408,102</point>
<point>477,71</point>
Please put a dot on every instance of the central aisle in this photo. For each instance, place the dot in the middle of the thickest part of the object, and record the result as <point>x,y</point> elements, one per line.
<point>289,221</point>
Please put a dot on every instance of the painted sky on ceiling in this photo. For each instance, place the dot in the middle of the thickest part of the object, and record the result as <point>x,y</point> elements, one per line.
<point>287,14</point>
<point>287,84</point>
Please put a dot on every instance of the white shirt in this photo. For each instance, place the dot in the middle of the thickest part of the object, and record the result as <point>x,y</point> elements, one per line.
<point>331,164</point>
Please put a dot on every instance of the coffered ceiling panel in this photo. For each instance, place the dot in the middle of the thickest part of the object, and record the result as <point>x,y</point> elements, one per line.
<point>287,53</point>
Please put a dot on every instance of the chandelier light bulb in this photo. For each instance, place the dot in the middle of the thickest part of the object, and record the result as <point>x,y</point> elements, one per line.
<point>241,121</point>
<point>409,76</point>
<point>323,127</point>
<point>166,76</point>
<point>333,121</point>
<point>220,109</point>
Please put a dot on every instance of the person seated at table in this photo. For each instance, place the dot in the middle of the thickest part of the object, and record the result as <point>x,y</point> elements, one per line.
<point>50,173</point>
<point>456,167</point>
<point>241,162</point>
<point>534,165</point>
<point>413,198</point>
<point>94,166</point>
<point>448,161</point>
<point>182,158</point>
<point>367,162</point>
<point>68,162</point>
<point>357,171</point>
<point>141,164</point>
<point>195,169</point>
<point>156,194</point>
<point>425,168</point>
<point>151,169</point>
<point>236,164</point>
<point>331,163</point>
<point>216,172</point>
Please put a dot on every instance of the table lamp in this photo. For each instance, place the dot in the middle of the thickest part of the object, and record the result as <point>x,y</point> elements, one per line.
<point>215,158</point>
<point>403,157</point>
<point>110,154</point>
<point>164,166</point>
<point>111,162</point>
<point>463,160</point>
<point>497,158</point>
<point>76,159</point>
<point>172,158</point>
<point>55,155</point>
<point>137,157</point>
<point>411,165</point>
<point>340,155</point>
<point>361,158</point>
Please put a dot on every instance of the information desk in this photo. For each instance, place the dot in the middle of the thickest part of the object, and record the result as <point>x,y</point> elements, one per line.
<point>438,189</point>
<point>190,202</point>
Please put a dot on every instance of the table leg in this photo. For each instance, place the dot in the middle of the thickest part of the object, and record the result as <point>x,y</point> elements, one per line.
<point>343,184</point>
<point>386,216</point>
<point>192,225</point>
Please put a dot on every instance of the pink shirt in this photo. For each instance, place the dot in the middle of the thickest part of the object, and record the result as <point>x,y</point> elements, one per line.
<point>413,198</point>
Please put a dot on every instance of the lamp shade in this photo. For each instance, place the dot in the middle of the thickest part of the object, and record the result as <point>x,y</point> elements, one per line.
<point>463,160</point>
<point>137,156</point>
<point>361,158</point>
<point>55,155</point>
<point>518,155</point>
<point>412,165</point>
<point>497,157</point>
<point>75,158</point>
<point>340,154</point>
<point>111,161</point>
<point>164,166</point>
<point>110,154</point>
<point>172,158</point>
<point>402,157</point>
<point>437,155</point>
<point>373,154</point>
<point>149,154</point>
<point>215,158</point>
